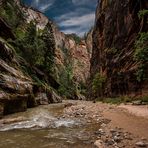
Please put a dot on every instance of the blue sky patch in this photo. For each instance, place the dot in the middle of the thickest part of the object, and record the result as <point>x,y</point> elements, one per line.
<point>72,16</point>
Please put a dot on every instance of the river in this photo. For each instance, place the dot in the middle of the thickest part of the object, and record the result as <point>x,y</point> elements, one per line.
<point>46,127</point>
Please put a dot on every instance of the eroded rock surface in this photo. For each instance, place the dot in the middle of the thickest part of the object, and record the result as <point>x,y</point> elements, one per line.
<point>116,29</point>
<point>23,84</point>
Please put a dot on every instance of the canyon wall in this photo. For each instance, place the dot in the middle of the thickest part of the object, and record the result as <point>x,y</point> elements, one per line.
<point>120,37</point>
<point>38,63</point>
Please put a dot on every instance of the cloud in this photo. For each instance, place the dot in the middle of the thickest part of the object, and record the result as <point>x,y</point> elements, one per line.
<point>79,20</point>
<point>79,31</point>
<point>42,5</point>
<point>81,2</point>
<point>72,16</point>
<point>76,23</point>
<point>44,8</point>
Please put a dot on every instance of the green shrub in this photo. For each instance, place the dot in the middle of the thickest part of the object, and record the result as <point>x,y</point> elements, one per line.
<point>82,88</point>
<point>141,47</point>
<point>112,50</point>
<point>36,48</point>
<point>76,38</point>
<point>11,13</point>
<point>30,46</point>
<point>112,100</point>
<point>98,82</point>
<point>65,51</point>
<point>20,33</point>
<point>141,51</point>
<point>145,99</point>
<point>142,13</point>
<point>67,87</point>
<point>141,55</point>
<point>49,50</point>
<point>117,100</point>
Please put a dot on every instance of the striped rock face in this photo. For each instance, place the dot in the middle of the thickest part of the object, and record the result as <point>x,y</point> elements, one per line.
<point>116,30</point>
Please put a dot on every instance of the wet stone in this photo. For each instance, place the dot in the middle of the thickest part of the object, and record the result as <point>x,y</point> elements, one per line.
<point>117,138</point>
<point>113,130</point>
<point>109,142</point>
<point>99,144</point>
<point>100,132</point>
<point>141,144</point>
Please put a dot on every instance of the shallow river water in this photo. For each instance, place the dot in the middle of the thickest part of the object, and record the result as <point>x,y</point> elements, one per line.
<point>45,127</point>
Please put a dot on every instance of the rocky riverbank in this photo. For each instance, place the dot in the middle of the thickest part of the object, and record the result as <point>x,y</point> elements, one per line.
<point>77,124</point>
<point>118,127</point>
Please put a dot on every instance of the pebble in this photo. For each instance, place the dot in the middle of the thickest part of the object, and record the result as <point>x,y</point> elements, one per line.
<point>89,121</point>
<point>109,142</point>
<point>103,125</point>
<point>117,138</point>
<point>143,138</point>
<point>126,136</point>
<point>99,144</point>
<point>113,131</point>
<point>100,132</point>
<point>141,144</point>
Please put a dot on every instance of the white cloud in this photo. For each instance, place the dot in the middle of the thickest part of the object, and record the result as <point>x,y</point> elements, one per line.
<point>79,20</point>
<point>81,2</point>
<point>78,31</point>
<point>42,5</point>
<point>77,24</point>
<point>43,8</point>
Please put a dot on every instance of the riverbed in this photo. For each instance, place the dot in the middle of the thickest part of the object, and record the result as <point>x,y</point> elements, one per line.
<point>75,124</point>
<point>46,127</point>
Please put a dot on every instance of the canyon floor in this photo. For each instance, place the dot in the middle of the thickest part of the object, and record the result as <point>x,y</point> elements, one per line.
<point>77,124</point>
<point>121,125</point>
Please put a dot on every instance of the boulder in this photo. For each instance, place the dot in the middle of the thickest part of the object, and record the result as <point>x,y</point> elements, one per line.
<point>41,99</point>
<point>53,97</point>
<point>81,97</point>
<point>137,102</point>
<point>99,144</point>
<point>141,144</point>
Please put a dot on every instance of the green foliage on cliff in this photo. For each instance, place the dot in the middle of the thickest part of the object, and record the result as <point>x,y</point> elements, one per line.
<point>97,83</point>
<point>141,55</point>
<point>141,50</point>
<point>67,87</point>
<point>141,45</point>
<point>75,37</point>
<point>31,47</point>
<point>144,99</point>
<point>49,50</point>
<point>36,48</point>
<point>142,13</point>
<point>112,50</point>
<point>11,13</point>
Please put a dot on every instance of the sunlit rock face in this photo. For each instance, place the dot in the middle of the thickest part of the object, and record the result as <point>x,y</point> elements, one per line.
<point>15,87</point>
<point>116,29</point>
<point>76,53</point>
<point>34,15</point>
<point>18,88</point>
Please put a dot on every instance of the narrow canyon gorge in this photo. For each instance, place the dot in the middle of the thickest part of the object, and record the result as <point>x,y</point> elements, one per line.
<point>63,90</point>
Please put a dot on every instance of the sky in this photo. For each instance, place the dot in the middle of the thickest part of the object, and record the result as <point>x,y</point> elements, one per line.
<point>72,16</point>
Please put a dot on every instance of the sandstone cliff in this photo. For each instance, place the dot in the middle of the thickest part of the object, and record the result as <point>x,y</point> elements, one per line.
<point>119,30</point>
<point>71,56</point>
<point>37,61</point>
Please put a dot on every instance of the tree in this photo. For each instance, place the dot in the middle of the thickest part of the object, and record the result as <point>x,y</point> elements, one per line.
<point>49,51</point>
<point>141,49</point>
<point>97,83</point>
